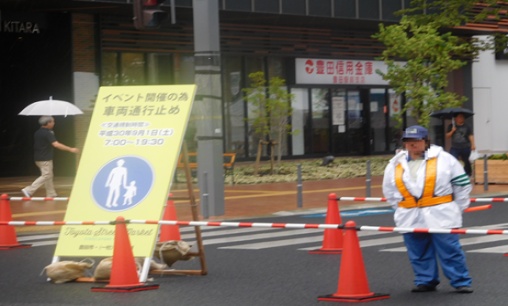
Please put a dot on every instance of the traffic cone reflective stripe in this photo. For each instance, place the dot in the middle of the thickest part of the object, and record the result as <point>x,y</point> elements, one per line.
<point>169,232</point>
<point>8,239</point>
<point>332,238</point>
<point>124,275</point>
<point>353,285</point>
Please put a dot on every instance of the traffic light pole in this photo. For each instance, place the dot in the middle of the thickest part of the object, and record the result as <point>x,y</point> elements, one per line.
<point>208,104</point>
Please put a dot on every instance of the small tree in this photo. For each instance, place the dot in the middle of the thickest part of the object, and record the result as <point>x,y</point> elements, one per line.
<point>429,57</point>
<point>271,107</point>
<point>425,42</point>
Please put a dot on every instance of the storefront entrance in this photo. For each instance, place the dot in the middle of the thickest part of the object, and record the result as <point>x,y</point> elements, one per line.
<point>343,121</point>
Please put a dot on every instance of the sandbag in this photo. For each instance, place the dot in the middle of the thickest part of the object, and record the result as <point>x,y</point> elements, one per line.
<point>66,271</point>
<point>171,251</point>
<point>103,269</point>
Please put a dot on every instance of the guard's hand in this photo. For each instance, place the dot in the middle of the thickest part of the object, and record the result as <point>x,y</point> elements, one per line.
<point>75,150</point>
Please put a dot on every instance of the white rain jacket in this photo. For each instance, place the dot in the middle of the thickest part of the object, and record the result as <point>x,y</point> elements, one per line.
<point>450,179</point>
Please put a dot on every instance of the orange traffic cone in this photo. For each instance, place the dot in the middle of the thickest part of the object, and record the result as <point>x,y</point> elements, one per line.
<point>8,239</point>
<point>332,238</point>
<point>353,285</point>
<point>124,276</point>
<point>169,232</point>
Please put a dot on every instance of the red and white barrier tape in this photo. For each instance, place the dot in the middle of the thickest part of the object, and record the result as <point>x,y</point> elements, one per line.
<point>38,199</point>
<point>489,200</point>
<point>433,230</point>
<point>361,199</point>
<point>42,198</point>
<point>366,199</point>
<point>267,225</point>
<point>171,222</point>
<point>46,223</point>
<point>238,224</point>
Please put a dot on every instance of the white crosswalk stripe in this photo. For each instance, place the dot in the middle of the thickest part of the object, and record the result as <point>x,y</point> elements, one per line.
<point>252,238</point>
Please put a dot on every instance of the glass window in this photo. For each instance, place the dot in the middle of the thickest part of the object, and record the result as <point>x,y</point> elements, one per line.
<point>276,67</point>
<point>269,6</point>
<point>238,5</point>
<point>184,68</point>
<point>253,64</point>
<point>345,8</point>
<point>132,69</point>
<point>159,69</point>
<point>410,120</point>
<point>355,127</point>
<point>109,67</point>
<point>395,129</point>
<point>234,107</point>
<point>299,122</point>
<point>320,8</point>
<point>377,120</point>
<point>319,139</point>
<point>255,137</point>
<point>369,9</point>
<point>389,7</point>
<point>187,3</point>
<point>296,7</point>
<point>339,135</point>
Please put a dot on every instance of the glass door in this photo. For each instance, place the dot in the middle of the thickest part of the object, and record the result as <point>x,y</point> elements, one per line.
<point>320,110</point>
<point>355,124</point>
<point>338,130</point>
<point>377,114</point>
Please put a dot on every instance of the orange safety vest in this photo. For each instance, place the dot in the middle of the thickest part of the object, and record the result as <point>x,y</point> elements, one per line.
<point>428,198</point>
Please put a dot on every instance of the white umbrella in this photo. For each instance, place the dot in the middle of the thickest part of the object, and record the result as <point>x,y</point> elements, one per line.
<point>51,108</point>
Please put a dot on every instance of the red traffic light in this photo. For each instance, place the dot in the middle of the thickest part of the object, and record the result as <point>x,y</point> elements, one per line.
<point>147,14</point>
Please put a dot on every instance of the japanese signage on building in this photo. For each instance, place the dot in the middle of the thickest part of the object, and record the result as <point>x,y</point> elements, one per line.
<point>341,71</point>
<point>126,167</point>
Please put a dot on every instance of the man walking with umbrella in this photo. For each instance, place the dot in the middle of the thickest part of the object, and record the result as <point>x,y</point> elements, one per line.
<point>462,140</point>
<point>44,142</point>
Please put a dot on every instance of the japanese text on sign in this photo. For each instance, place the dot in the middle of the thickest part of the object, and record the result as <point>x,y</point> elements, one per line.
<point>148,104</point>
<point>133,133</point>
<point>329,71</point>
<point>126,168</point>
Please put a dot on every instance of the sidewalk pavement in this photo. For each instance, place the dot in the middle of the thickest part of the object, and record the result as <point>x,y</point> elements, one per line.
<point>241,201</point>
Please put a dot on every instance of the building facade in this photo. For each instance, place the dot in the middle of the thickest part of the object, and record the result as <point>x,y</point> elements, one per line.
<point>322,48</point>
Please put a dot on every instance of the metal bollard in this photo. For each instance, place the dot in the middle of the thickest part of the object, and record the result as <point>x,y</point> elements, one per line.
<point>299,187</point>
<point>205,209</point>
<point>485,174</point>
<point>368,180</point>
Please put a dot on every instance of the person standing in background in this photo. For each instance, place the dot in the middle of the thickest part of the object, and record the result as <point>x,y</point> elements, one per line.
<point>462,141</point>
<point>44,142</point>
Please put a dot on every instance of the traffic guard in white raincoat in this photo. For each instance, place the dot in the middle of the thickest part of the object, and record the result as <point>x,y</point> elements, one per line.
<point>428,188</point>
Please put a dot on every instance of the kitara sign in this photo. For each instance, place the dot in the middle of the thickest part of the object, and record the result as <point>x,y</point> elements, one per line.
<point>126,168</point>
<point>18,26</point>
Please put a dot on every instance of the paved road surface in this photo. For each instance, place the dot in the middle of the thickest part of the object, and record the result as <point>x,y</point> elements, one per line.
<point>263,266</point>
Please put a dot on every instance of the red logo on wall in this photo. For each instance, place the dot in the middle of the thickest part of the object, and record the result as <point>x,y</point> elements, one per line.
<point>309,66</point>
<point>395,106</point>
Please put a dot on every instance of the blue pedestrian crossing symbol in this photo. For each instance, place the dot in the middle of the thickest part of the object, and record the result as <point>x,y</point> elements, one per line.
<point>122,183</point>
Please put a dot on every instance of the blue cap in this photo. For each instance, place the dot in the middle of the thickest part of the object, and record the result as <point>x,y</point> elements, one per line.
<point>415,132</point>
